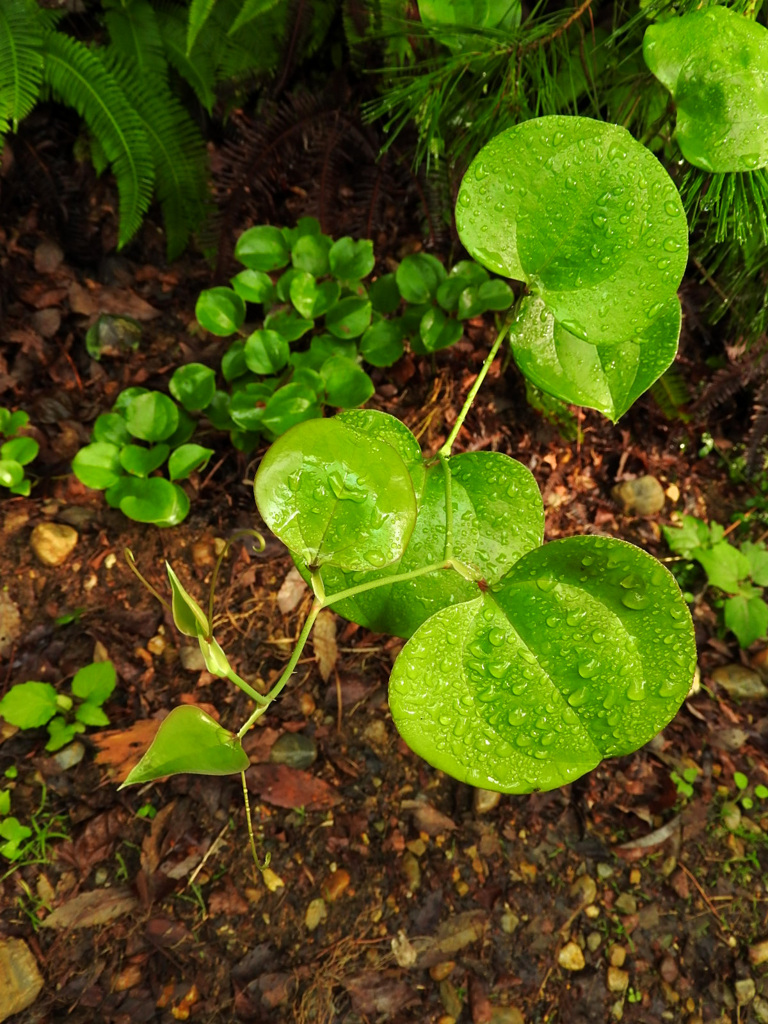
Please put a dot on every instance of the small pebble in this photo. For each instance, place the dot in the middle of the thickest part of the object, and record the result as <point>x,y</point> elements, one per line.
<point>156,645</point>
<point>506,1015</point>
<point>335,884</point>
<point>21,978</point>
<point>485,800</point>
<point>731,815</point>
<point>409,866</point>
<point>758,953</point>
<point>626,903</point>
<point>604,871</point>
<point>616,956</point>
<point>69,756</point>
<point>450,999</point>
<point>316,913</point>
<point>745,991</point>
<point>571,957</point>
<point>585,889</point>
<point>509,922</point>
<point>617,979</point>
<point>643,497</point>
<point>593,941</point>
<point>740,682</point>
<point>668,969</point>
<point>760,1009</point>
<point>53,543</point>
<point>191,658</point>
<point>440,971</point>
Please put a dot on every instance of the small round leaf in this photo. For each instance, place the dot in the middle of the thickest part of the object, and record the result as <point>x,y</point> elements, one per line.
<point>266,352</point>
<point>313,299</point>
<point>384,294</point>
<point>140,461</point>
<point>20,449</point>
<point>349,317</point>
<point>419,276</point>
<point>220,311</point>
<point>11,473</point>
<point>29,705</point>
<point>111,427</point>
<point>438,331</point>
<point>262,248</point>
<point>155,501</point>
<point>187,459</point>
<point>152,416</point>
<point>97,465</point>
<point>95,682</point>
<point>347,385</point>
<point>310,254</point>
<point>382,343</point>
<point>193,385</point>
<point>254,286</point>
<point>288,324</point>
<point>288,406</point>
<point>350,260</point>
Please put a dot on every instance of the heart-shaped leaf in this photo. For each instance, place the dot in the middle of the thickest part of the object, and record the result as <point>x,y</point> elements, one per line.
<point>288,406</point>
<point>583,650</point>
<point>97,465</point>
<point>438,331</point>
<point>187,459</point>
<point>605,377</point>
<point>347,385</point>
<point>350,260</point>
<point>497,517</point>
<point>189,740</point>
<point>110,427</point>
<point>20,449</point>
<point>419,276</point>
<point>150,501</point>
<point>140,461</point>
<point>382,343</point>
<point>336,497</point>
<point>254,286</point>
<point>312,298</point>
<point>583,213</point>
<point>310,254</point>
<point>248,403</point>
<point>95,682</point>
<point>349,317</point>
<point>715,63</point>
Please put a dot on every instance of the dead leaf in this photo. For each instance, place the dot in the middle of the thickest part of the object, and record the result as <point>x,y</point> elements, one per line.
<point>291,591</point>
<point>10,624</point>
<point>117,301</point>
<point>376,994</point>
<point>291,787</point>
<point>324,642</point>
<point>91,909</point>
<point>428,819</point>
<point>121,749</point>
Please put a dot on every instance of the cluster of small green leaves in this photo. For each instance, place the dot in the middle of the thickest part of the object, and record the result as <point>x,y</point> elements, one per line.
<point>31,705</point>
<point>12,832</point>
<point>144,430</point>
<point>740,572</point>
<point>319,320</point>
<point>741,781</point>
<point>684,783</point>
<point>16,451</point>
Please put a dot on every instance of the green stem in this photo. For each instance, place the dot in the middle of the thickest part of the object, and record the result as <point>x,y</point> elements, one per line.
<point>233,677</point>
<point>287,671</point>
<point>247,802</point>
<point>384,582</point>
<point>503,331</point>
<point>448,507</point>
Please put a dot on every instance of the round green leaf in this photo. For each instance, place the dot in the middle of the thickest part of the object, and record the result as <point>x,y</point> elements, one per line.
<point>220,311</point>
<point>217,412</point>
<point>125,398</point>
<point>336,497</point>
<point>583,213</point>
<point>266,352</point>
<point>419,276</point>
<point>254,286</point>
<point>608,378</point>
<point>262,248</point>
<point>111,427</point>
<point>97,465</point>
<point>349,317</point>
<point>313,299</point>
<point>350,260</point>
<point>288,324</point>
<point>469,272</point>
<point>183,432</point>
<point>188,458</point>
<point>193,385</point>
<point>324,347</point>
<point>283,286</point>
<point>95,682</point>
<point>11,473</point>
<point>384,294</point>
<point>29,705</point>
<point>233,361</point>
<point>347,385</point>
<point>583,650</point>
<point>305,226</point>
<point>20,449</point>
<point>152,416</point>
<point>288,406</point>
<point>12,422</point>
<point>495,295</point>
<point>380,426</point>
<point>140,461</point>
<point>310,253</point>
<point>715,63</point>
<point>497,517</point>
<point>247,405</point>
<point>382,343</point>
<point>189,740</point>
<point>155,501</point>
<point>438,331</point>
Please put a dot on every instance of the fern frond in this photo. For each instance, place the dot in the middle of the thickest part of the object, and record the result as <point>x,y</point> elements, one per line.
<point>670,392</point>
<point>199,12</point>
<point>251,9</point>
<point>135,35</point>
<point>77,77</point>
<point>21,58</point>
<point>197,70</point>
<point>178,151</point>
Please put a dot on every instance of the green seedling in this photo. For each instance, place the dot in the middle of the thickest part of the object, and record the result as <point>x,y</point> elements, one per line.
<point>526,663</point>
<point>714,62</point>
<point>684,783</point>
<point>741,781</point>
<point>16,451</point>
<point>739,572</point>
<point>31,705</point>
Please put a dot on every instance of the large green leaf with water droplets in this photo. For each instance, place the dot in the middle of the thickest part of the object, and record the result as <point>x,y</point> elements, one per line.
<point>605,377</point>
<point>189,740</point>
<point>583,650</point>
<point>715,64</point>
<point>497,517</point>
<point>336,497</point>
<point>585,215</point>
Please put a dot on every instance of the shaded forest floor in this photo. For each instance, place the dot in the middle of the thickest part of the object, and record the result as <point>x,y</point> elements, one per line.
<point>393,893</point>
